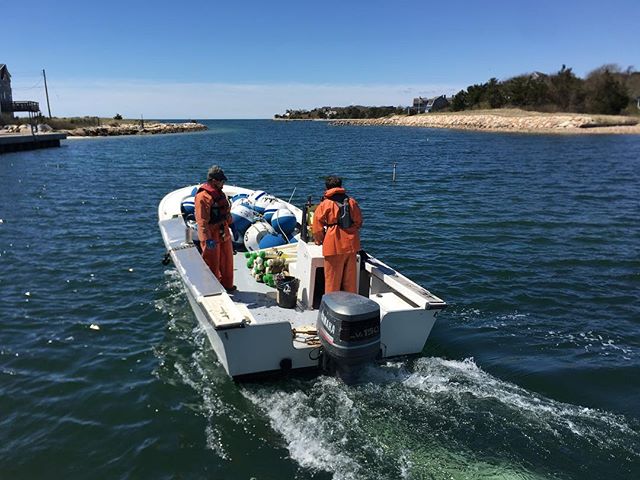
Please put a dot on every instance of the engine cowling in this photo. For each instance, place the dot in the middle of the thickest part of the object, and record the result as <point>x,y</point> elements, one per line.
<point>349,329</point>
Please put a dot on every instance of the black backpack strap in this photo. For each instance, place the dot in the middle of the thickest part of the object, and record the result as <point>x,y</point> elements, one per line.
<point>341,199</point>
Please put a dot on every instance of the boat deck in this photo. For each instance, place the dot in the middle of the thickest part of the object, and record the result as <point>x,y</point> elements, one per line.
<point>260,299</point>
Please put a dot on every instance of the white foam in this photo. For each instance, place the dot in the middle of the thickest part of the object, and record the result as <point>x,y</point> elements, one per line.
<point>336,428</point>
<point>314,442</point>
<point>464,380</point>
<point>195,376</point>
<point>214,442</point>
<point>594,343</point>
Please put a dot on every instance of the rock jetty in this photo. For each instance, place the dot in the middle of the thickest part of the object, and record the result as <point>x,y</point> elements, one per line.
<point>109,130</point>
<point>149,128</point>
<point>510,121</point>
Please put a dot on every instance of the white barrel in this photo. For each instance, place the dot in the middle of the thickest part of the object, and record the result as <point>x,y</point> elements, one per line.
<point>272,207</point>
<point>284,221</point>
<point>243,216</point>
<point>238,198</point>
<point>255,233</point>
<point>259,200</point>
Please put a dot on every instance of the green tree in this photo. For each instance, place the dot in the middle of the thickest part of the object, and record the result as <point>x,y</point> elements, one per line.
<point>530,90</point>
<point>516,89</point>
<point>493,94</point>
<point>567,90</point>
<point>605,94</point>
<point>459,101</point>
<point>476,95</point>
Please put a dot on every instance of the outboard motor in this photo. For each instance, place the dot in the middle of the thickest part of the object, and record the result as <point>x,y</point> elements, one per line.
<point>349,329</point>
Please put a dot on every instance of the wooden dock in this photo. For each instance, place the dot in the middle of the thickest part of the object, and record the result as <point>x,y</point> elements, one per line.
<point>18,143</point>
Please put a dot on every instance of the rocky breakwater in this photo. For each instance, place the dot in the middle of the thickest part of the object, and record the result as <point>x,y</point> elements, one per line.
<point>510,121</point>
<point>149,128</point>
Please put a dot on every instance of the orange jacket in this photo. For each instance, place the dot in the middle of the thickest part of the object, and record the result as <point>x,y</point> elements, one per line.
<point>206,198</point>
<point>336,240</point>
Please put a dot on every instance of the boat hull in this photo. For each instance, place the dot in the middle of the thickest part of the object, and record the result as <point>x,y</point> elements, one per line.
<point>251,334</point>
<point>241,350</point>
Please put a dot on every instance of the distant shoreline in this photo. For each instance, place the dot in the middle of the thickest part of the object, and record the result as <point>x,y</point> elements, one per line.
<point>303,120</point>
<point>510,120</point>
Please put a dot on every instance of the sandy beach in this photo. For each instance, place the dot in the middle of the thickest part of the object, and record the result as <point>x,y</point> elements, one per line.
<point>512,120</point>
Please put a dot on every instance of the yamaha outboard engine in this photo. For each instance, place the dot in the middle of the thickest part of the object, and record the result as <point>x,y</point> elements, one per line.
<point>349,329</point>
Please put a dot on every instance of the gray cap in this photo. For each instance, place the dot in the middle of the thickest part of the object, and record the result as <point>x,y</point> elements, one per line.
<point>216,173</point>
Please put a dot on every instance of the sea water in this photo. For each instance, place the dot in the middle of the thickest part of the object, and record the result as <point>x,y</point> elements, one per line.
<point>531,372</point>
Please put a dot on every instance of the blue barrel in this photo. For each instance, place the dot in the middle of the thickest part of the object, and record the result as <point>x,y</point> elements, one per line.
<point>188,209</point>
<point>272,240</point>
<point>243,217</point>
<point>284,221</point>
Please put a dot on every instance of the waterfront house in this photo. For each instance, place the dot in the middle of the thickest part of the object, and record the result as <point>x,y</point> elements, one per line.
<point>6,99</point>
<point>424,105</point>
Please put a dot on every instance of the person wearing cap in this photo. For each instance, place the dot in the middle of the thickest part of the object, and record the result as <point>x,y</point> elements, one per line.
<point>336,225</point>
<point>213,218</point>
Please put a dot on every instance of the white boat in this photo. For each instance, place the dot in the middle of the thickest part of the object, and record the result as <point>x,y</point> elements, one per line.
<point>252,334</point>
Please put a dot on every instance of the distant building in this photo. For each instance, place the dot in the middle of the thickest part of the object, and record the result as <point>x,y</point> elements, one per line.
<point>424,105</point>
<point>328,112</point>
<point>7,105</point>
<point>6,99</point>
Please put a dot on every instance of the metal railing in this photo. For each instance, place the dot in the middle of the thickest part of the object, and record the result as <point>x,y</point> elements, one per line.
<point>26,106</point>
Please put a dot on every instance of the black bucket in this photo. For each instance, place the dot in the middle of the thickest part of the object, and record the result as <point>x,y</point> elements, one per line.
<point>287,291</point>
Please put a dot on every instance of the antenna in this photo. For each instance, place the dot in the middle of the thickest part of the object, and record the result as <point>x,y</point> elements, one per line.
<point>294,191</point>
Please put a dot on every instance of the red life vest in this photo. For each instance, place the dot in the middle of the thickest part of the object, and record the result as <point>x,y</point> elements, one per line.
<point>220,206</point>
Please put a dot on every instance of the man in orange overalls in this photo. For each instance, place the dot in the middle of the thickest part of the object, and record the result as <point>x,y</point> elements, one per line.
<point>336,223</point>
<point>213,218</point>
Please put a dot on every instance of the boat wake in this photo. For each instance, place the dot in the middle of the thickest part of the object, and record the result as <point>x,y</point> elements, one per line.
<point>412,418</point>
<point>435,418</point>
<point>180,362</point>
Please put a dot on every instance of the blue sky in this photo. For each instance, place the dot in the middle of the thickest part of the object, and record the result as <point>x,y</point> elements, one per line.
<point>251,59</point>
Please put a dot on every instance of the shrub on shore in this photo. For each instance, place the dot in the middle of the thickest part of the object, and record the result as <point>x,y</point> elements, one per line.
<point>606,90</point>
<point>352,111</point>
<point>69,123</point>
<point>56,123</point>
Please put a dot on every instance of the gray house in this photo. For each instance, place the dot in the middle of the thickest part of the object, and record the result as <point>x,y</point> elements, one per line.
<point>423,105</point>
<point>6,98</point>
